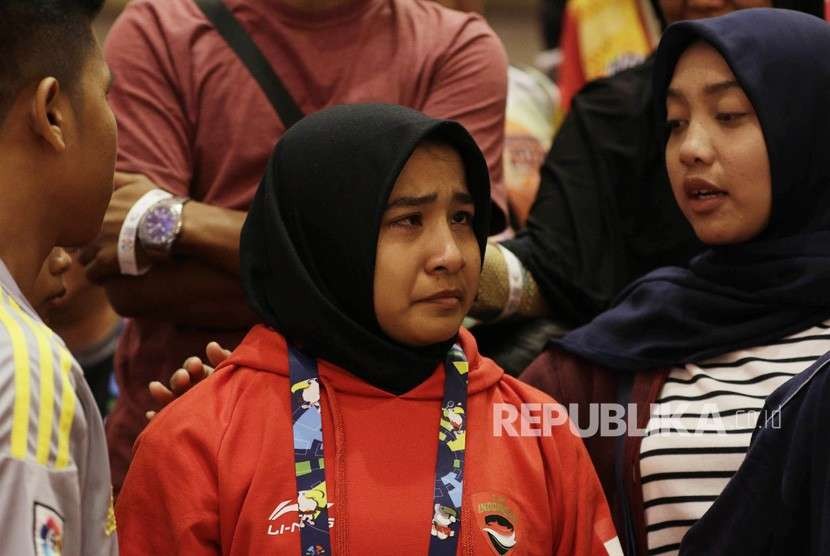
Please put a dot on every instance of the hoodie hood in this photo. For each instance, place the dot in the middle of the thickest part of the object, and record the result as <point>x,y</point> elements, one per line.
<point>265,350</point>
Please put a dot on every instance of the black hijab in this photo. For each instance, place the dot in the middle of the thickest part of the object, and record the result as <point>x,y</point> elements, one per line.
<point>738,296</point>
<point>309,243</point>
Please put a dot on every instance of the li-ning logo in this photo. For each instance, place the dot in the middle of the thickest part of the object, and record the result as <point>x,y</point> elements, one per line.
<point>293,524</point>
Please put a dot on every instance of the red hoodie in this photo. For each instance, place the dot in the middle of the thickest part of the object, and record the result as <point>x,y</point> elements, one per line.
<point>214,472</point>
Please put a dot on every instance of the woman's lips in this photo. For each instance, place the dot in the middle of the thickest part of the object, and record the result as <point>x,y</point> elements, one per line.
<point>703,196</point>
<point>706,204</point>
<point>449,302</point>
<point>445,298</point>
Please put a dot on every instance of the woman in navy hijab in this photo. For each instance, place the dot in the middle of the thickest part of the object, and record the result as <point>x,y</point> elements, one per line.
<point>697,350</point>
<point>778,503</point>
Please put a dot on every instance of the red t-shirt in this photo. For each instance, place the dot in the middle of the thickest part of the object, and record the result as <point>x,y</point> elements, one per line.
<point>227,486</point>
<point>194,121</point>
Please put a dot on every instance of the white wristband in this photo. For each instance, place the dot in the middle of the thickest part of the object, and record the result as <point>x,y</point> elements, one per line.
<point>515,281</point>
<point>127,262</point>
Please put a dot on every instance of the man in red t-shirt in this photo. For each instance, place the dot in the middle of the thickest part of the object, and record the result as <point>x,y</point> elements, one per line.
<point>192,121</point>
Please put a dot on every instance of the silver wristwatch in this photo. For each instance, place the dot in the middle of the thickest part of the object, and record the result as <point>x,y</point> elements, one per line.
<point>161,225</point>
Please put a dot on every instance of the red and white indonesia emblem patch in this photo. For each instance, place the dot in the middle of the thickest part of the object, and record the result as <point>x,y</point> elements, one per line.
<point>498,520</point>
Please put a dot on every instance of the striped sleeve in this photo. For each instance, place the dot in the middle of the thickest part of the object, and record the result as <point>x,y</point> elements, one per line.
<point>37,397</point>
<point>44,439</point>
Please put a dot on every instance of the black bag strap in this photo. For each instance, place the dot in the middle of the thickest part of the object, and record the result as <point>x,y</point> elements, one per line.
<point>247,51</point>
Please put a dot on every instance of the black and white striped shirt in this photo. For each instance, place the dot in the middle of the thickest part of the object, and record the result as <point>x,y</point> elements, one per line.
<point>701,427</point>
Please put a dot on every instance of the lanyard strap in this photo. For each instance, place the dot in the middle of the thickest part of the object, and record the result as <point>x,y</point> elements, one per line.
<point>449,467</point>
<point>309,460</point>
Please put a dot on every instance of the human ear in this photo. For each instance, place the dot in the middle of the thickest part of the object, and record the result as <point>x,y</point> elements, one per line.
<point>46,116</point>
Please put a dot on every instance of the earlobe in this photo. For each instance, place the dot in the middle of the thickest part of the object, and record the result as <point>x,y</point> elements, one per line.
<point>46,116</point>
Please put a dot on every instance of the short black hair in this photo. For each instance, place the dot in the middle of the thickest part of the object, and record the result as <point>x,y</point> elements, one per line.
<point>41,38</point>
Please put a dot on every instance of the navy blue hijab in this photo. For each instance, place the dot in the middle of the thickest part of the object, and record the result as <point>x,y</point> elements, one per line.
<point>748,294</point>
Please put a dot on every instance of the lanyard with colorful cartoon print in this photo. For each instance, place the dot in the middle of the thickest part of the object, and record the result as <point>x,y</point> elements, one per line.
<point>309,462</point>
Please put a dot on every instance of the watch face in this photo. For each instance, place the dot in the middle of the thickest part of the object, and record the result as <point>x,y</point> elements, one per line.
<point>159,225</point>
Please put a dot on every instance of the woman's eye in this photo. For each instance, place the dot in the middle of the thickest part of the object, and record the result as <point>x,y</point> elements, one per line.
<point>462,217</point>
<point>729,117</point>
<point>674,124</point>
<point>409,221</point>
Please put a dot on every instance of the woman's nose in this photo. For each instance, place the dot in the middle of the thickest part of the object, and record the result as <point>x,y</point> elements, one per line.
<point>696,146</point>
<point>445,255</point>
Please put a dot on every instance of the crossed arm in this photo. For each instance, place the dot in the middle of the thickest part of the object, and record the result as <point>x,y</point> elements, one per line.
<point>199,285</point>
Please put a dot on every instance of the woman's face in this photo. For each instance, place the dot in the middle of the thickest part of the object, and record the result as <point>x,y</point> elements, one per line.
<point>428,260</point>
<point>716,155</point>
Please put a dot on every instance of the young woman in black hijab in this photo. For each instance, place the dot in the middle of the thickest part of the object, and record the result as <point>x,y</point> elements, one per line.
<point>362,253</point>
<point>698,349</point>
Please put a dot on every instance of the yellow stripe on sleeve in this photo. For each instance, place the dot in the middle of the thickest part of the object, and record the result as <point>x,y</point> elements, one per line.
<point>20,355</point>
<point>44,337</point>
<point>67,411</point>
<point>46,412</point>
<point>47,401</point>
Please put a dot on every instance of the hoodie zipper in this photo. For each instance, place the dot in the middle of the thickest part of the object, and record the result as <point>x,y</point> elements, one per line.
<point>341,529</point>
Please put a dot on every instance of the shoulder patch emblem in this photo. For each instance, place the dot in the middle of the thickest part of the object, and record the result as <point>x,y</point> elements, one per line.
<point>498,520</point>
<point>47,531</point>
